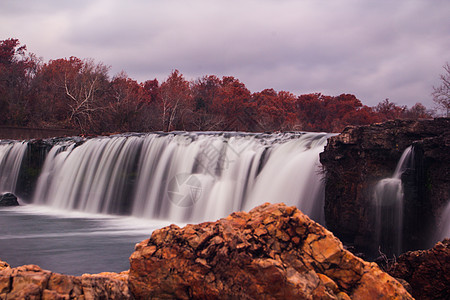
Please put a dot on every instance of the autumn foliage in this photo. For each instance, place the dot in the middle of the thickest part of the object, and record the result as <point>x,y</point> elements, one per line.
<point>79,94</point>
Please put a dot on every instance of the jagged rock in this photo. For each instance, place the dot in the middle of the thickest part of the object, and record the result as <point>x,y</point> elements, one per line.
<point>274,251</point>
<point>427,271</point>
<point>31,282</point>
<point>8,199</point>
<point>360,156</point>
<point>3,265</point>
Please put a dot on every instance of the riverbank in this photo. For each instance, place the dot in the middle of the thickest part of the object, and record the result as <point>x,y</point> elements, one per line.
<point>27,133</point>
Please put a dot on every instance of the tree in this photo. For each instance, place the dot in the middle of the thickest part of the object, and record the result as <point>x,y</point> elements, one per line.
<point>151,88</point>
<point>441,94</point>
<point>336,110</point>
<point>233,103</point>
<point>84,90</point>
<point>150,109</point>
<point>310,112</point>
<point>175,100</point>
<point>76,88</point>
<point>361,116</point>
<point>17,71</point>
<point>417,111</point>
<point>127,100</point>
<point>274,111</point>
<point>205,92</point>
<point>388,110</point>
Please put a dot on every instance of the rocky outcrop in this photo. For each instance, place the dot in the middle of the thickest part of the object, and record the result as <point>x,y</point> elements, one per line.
<point>31,282</point>
<point>359,157</point>
<point>427,271</point>
<point>274,251</point>
<point>8,199</point>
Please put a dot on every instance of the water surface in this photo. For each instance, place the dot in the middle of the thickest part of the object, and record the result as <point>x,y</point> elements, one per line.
<point>69,242</point>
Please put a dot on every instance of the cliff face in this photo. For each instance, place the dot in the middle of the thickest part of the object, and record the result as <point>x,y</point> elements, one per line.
<point>274,251</point>
<point>359,157</point>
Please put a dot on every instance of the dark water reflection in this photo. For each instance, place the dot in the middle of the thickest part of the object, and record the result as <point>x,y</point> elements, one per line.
<point>70,243</point>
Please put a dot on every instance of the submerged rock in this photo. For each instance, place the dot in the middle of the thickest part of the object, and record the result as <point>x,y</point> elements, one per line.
<point>274,251</point>
<point>427,271</point>
<point>8,199</point>
<point>31,282</point>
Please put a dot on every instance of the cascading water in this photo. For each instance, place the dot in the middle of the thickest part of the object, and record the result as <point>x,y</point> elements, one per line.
<point>11,156</point>
<point>444,224</point>
<point>184,176</point>
<point>388,201</point>
<point>95,198</point>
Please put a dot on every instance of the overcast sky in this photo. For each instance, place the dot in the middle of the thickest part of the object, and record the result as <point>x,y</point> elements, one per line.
<point>373,49</point>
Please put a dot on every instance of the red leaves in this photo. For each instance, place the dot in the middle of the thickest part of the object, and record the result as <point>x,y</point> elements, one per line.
<point>78,93</point>
<point>275,111</point>
<point>332,114</point>
<point>175,100</point>
<point>11,51</point>
<point>17,70</point>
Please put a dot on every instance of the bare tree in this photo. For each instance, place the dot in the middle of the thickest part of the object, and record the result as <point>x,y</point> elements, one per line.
<point>441,94</point>
<point>82,88</point>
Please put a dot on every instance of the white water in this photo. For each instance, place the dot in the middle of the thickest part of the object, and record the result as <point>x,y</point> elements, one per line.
<point>389,205</point>
<point>11,156</point>
<point>444,224</point>
<point>149,180</point>
<point>184,176</point>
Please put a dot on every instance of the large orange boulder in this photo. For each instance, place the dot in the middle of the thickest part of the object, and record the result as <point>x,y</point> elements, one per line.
<point>274,251</point>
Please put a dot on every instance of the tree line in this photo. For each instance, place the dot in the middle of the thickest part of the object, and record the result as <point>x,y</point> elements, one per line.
<point>79,94</point>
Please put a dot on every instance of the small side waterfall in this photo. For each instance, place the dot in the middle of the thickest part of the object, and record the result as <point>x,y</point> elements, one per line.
<point>11,156</point>
<point>388,201</point>
<point>184,176</point>
<point>444,224</point>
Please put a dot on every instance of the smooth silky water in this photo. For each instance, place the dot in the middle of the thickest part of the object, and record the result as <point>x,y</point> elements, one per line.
<point>70,243</point>
<point>389,206</point>
<point>94,201</point>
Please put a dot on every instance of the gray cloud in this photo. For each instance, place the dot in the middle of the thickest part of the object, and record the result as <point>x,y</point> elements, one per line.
<point>375,50</point>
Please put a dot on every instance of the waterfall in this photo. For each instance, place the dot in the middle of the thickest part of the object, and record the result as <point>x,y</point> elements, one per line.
<point>184,176</point>
<point>444,224</point>
<point>11,156</point>
<point>388,201</point>
<point>90,177</point>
